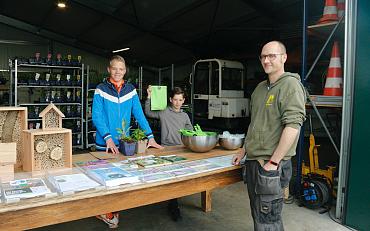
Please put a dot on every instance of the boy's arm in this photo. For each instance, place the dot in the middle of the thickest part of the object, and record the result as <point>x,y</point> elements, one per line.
<point>150,113</point>
<point>188,124</point>
<point>138,113</point>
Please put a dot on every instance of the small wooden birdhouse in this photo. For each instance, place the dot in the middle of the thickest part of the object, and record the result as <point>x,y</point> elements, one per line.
<point>51,117</point>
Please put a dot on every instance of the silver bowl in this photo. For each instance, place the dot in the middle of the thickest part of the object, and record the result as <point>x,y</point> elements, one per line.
<point>231,143</point>
<point>200,143</point>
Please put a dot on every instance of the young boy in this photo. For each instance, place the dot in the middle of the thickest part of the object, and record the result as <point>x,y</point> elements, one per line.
<point>172,119</point>
<point>114,101</point>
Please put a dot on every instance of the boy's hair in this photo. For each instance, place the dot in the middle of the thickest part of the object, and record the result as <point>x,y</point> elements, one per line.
<point>177,91</point>
<point>117,58</point>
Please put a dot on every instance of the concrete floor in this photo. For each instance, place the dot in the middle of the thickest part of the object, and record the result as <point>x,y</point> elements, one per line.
<point>230,212</point>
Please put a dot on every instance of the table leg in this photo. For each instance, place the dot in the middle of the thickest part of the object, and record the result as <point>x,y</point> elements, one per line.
<point>206,198</point>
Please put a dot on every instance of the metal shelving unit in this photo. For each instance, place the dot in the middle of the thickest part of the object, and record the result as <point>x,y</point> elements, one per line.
<point>326,32</point>
<point>35,102</point>
<point>89,129</point>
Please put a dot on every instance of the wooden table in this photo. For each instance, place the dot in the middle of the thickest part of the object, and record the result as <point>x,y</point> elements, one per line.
<point>38,212</point>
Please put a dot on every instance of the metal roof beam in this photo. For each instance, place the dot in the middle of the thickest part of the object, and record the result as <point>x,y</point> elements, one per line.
<point>51,35</point>
<point>180,12</point>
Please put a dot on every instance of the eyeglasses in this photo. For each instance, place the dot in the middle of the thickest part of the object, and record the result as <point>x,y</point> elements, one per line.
<point>270,57</point>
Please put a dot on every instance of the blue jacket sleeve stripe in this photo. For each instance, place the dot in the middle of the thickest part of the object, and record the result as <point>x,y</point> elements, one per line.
<point>107,136</point>
<point>106,96</point>
<point>127,96</point>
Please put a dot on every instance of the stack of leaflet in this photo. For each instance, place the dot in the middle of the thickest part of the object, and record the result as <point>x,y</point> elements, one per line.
<point>156,177</point>
<point>149,161</point>
<point>201,166</point>
<point>92,164</point>
<point>178,170</point>
<point>15,190</point>
<point>224,161</point>
<point>73,182</point>
<point>112,176</point>
<point>173,158</point>
<point>107,174</point>
<point>126,165</point>
<point>149,175</point>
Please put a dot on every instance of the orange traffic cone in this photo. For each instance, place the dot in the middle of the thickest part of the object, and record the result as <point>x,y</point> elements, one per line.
<point>330,12</point>
<point>340,8</point>
<point>334,81</point>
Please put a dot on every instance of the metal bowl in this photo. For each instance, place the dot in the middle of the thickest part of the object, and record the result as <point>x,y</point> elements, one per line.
<point>231,143</point>
<point>200,143</point>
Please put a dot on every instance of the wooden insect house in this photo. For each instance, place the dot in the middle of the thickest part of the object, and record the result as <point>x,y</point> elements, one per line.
<point>49,147</point>
<point>13,120</point>
<point>51,117</point>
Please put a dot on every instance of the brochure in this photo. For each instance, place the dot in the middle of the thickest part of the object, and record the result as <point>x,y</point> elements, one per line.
<point>73,182</point>
<point>113,176</point>
<point>126,165</point>
<point>156,177</point>
<point>183,172</point>
<point>152,162</point>
<point>195,163</point>
<point>171,167</point>
<point>145,171</point>
<point>173,158</point>
<point>224,161</point>
<point>206,168</point>
<point>24,188</point>
<point>93,164</point>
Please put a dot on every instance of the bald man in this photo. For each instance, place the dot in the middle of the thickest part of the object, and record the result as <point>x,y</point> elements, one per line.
<point>277,114</point>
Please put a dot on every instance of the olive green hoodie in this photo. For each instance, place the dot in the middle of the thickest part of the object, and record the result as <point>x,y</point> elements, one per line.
<point>272,108</point>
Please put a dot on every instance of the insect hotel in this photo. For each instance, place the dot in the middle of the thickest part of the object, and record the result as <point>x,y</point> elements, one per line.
<point>49,147</point>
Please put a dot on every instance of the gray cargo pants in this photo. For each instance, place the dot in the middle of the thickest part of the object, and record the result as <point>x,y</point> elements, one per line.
<point>265,190</point>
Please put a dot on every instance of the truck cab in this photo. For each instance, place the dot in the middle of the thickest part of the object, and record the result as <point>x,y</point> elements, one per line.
<point>218,92</point>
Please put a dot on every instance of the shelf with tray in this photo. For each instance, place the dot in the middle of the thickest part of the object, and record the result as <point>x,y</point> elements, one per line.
<point>36,85</point>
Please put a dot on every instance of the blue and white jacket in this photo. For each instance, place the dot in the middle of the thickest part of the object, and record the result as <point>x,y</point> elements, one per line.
<point>110,108</point>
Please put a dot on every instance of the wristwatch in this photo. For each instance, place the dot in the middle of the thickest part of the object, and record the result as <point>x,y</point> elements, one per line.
<point>273,163</point>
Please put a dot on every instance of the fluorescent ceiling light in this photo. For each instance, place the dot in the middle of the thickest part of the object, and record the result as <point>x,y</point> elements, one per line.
<point>123,49</point>
<point>61,4</point>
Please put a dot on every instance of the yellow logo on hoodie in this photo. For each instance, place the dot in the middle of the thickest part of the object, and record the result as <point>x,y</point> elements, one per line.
<point>270,100</point>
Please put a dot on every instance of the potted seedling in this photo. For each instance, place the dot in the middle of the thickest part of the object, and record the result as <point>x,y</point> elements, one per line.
<point>139,136</point>
<point>127,144</point>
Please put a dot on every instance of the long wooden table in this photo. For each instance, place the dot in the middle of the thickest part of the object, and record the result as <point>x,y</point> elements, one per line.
<point>38,212</point>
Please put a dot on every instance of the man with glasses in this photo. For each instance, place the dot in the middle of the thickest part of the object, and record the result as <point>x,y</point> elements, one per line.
<point>277,114</point>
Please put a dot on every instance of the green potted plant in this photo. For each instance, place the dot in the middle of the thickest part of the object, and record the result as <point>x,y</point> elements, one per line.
<point>127,144</point>
<point>141,143</point>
